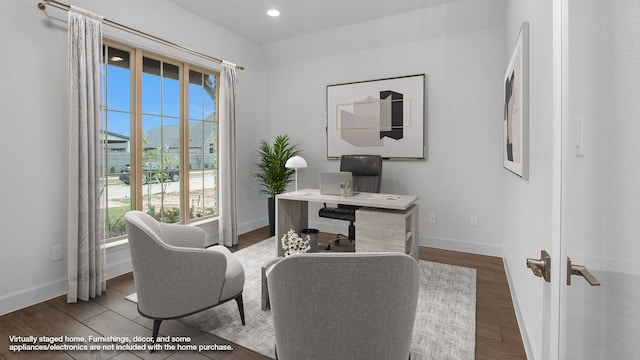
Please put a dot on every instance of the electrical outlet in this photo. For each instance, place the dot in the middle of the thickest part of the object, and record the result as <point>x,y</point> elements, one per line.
<point>432,218</point>
<point>474,221</point>
<point>56,253</point>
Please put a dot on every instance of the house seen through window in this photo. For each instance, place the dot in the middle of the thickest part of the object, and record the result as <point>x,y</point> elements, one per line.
<point>162,158</point>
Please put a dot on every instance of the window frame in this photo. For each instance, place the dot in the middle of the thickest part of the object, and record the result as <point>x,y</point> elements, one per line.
<point>136,131</point>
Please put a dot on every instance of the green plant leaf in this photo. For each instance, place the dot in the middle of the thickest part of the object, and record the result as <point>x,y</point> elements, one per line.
<point>272,175</point>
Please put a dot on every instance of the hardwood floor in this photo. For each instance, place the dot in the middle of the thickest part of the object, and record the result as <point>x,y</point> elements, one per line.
<point>497,334</point>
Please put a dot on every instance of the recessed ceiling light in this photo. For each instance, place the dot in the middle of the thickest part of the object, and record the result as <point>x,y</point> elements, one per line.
<point>273,13</point>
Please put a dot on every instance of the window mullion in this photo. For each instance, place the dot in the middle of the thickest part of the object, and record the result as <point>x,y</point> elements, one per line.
<point>136,131</point>
<point>184,144</point>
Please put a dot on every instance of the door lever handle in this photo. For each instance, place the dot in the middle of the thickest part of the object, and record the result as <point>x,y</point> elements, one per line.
<point>580,270</point>
<point>541,267</point>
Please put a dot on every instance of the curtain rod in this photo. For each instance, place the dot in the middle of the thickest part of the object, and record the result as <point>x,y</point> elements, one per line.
<point>43,5</point>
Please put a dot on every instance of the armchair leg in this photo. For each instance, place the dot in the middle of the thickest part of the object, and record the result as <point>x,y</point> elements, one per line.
<point>240,307</point>
<point>156,330</point>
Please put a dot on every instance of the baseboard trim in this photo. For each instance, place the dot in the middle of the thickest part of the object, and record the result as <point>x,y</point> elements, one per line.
<point>340,227</point>
<point>47,291</point>
<point>118,263</point>
<point>461,245</point>
<point>516,306</point>
<point>250,226</point>
<point>119,268</point>
<point>33,295</point>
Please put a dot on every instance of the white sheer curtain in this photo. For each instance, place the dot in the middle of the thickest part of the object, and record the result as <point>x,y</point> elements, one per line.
<point>86,254</point>
<point>228,220</point>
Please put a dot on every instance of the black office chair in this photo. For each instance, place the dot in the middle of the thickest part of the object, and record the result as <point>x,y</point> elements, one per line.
<point>367,172</point>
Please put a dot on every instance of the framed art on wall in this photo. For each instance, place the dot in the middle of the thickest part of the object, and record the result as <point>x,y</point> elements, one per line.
<point>516,108</point>
<point>377,117</point>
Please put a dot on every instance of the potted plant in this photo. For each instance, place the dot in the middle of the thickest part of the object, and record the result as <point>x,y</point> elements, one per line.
<point>272,175</point>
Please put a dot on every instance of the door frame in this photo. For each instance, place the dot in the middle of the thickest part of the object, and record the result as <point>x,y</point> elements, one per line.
<point>555,343</point>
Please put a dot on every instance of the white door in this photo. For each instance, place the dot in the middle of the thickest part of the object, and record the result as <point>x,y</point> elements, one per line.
<point>600,185</point>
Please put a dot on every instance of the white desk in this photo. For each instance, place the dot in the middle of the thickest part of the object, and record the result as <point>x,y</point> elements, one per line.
<point>292,212</point>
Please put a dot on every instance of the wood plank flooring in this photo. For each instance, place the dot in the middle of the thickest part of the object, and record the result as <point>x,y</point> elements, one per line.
<point>497,334</point>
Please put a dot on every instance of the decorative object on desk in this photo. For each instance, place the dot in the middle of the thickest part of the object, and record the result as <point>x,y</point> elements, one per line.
<point>272,173</point>
<point>292,243</point>
<point>377,117</point>
<point>296,162</point>
<point>515,146</point>
<point>345,189</point>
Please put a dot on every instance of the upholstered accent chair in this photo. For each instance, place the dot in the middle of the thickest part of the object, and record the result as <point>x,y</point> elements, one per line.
<point>368,312</point>
<point>367,173</point>
<point>175,275</point>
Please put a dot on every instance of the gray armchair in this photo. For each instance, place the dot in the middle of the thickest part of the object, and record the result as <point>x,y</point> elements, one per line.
<point>173,273</point>
<point>367,173</point>
<point>366,313</point>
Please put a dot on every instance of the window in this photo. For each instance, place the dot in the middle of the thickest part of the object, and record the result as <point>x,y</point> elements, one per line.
<point>203,130</point>
<point>161,159</point>
<point>117,118</point>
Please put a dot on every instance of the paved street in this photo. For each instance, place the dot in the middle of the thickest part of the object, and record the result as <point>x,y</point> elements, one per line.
<point>119,191</point>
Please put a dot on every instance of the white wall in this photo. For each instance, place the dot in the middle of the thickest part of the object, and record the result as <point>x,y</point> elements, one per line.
<point>33,139</point>
<point>527,203</point>
<point>460,47</point>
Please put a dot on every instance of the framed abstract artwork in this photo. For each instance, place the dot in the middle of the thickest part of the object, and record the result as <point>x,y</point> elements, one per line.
<point>515,144</point>
<point>377,117</point>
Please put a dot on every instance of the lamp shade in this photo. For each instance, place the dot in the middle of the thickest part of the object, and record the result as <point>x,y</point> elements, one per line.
<point>296,162</point>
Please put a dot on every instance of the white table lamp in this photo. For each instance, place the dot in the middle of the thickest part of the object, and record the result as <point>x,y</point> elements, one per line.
<point>296,162</point>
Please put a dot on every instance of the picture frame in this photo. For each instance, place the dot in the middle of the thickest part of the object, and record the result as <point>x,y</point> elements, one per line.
<point>516,108</point>
<point>377,117</point>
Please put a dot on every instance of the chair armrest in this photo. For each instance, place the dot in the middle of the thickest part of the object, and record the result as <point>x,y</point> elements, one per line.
<point>183,235</point>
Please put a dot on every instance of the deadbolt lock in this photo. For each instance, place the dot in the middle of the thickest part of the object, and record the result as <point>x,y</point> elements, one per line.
<point>541,267</point>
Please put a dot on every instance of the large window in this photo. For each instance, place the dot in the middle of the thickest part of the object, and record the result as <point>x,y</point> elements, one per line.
<point>160,138</point>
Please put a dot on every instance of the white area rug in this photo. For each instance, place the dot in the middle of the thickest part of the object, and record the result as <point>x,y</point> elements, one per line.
<point>445,325</point>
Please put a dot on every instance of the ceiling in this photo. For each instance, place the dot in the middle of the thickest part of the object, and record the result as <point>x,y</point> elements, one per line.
<point>248,18</point>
